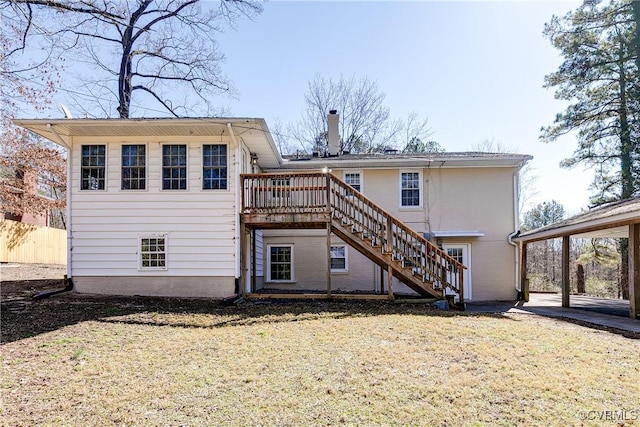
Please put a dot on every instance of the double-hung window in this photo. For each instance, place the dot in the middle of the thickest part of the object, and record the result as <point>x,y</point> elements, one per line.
<point>354,180</point>
<point>410,189</point>
<point>134,172</point>
<point>280,265</point>
<point>174,167</point>
<point>92,168</point>
<point>214,167</point>
<point>339,258</point>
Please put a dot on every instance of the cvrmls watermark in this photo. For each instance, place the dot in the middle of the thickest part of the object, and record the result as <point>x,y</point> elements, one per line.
<point>608,415</point>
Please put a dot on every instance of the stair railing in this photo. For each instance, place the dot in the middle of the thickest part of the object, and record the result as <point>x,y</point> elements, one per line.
<point>306,192</point>
<point>406,246</point>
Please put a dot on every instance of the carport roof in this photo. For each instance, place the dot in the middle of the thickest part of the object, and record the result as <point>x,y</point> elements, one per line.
<point>611,220</point>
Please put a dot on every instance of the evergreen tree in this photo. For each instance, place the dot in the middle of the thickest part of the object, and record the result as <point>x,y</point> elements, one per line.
<point>599,76</point>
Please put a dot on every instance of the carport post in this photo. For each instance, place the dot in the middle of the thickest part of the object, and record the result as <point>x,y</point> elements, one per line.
<point>566,279</point>
<point>524,282</point>
<point>634,270</point>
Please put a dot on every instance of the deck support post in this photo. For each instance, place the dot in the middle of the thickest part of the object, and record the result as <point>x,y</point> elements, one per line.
<point>524,282</point>
<point>566,279</point>
<point>390,280</point>
<point>253,260</point>
<point>329,259</point>
<point>243,256</point>
<point>381,280</point>
<point>634,271</point>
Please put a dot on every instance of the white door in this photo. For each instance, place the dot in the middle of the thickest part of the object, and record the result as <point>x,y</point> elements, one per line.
<point>461,252</point>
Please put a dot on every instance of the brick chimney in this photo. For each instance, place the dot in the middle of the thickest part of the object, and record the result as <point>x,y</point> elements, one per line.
<point>333,137</point>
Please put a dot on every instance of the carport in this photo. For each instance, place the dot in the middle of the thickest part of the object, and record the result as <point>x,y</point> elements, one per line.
<point>620,219</point>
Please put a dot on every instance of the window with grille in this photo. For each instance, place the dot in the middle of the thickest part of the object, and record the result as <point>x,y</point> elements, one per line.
<point>134,168</point>
<point>92,167</point>
<point>214,167</point>
<point>153,253</point>
<point>174,167</point>
<point>339,258</point>
<point>353,179</point>
<point>280,264</point>
<point>410,189</point>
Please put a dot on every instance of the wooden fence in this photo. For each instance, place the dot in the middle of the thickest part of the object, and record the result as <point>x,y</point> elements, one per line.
<point>28,243</point>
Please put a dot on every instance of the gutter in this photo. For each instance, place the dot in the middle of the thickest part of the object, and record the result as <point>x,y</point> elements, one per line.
<point>67,146</point>
<point>238,151</point>
<point>516,223</point>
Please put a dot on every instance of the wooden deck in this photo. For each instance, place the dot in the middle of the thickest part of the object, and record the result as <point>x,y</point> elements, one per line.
<point>315,200</point>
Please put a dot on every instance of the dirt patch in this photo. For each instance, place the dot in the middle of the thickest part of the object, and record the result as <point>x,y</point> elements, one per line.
<point>17,279</point>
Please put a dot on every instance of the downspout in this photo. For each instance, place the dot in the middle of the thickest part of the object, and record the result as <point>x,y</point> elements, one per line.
<point>237,205</point>
<point>67,146</point>
<point>516,224</point>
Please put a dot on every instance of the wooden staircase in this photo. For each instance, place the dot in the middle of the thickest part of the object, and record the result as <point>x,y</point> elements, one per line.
<point>319,200</point>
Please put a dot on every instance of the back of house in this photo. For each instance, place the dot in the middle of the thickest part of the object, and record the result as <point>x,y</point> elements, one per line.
<point>155,208</point>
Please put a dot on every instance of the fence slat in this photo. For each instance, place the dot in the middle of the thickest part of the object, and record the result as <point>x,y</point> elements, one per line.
<point>28,243</point>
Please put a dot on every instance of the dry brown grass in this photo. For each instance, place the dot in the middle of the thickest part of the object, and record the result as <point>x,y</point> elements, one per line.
<point>138,362</point>
<point>323,368</point>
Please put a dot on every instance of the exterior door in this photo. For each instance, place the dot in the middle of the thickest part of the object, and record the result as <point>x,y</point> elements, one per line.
<point>461,252</point>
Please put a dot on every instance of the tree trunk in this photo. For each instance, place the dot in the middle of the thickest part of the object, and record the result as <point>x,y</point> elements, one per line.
<point>580,283</point>
<point>623,287</point>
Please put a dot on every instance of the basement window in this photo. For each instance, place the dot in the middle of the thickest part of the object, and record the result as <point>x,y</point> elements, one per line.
<point>280,265</point>
<point>153,253</point>
<point>339,259</point>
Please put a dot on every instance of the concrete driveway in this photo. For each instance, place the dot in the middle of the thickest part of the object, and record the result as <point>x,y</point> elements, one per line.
<point>611,313</point>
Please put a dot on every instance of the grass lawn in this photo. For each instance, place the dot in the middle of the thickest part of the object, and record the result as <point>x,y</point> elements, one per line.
<point>137,362</point>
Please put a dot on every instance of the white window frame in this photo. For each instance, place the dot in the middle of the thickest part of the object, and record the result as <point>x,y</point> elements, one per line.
<point>106,164</point>
<point>268,259</point>
<point>186,166</point>
<point>420,189</point>
<point>360,178</point>
<point>346,258</point>
<point>165,252</point>
<point>227,167</point>
<point>146,167</point>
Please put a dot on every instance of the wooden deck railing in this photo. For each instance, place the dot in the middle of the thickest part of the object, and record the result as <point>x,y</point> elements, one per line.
<point>310,192</point>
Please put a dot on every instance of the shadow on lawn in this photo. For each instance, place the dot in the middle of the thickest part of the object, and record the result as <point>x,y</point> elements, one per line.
<point>23,317</point>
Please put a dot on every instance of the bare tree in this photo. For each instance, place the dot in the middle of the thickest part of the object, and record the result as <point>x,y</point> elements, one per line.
<point>416,132</point>
<point>365,123</point>
<point>157,50</point>
<point>527,177</point>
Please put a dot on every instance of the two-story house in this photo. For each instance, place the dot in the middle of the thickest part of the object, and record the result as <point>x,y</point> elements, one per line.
<point>209,208</point>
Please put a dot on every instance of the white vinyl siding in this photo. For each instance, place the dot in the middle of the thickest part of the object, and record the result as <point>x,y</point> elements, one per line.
<point>106,226</point>
<point>259,253</point>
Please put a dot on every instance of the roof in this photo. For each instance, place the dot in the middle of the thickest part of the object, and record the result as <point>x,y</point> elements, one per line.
<point>611,220</point>
<point>434,160</point>
<point>253,131</point>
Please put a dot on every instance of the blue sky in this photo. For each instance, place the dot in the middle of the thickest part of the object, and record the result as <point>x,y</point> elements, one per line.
<point>475,69</point>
